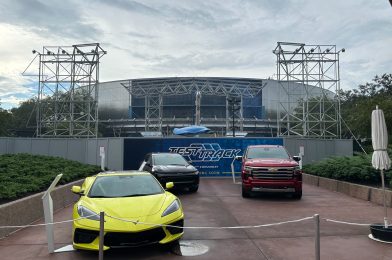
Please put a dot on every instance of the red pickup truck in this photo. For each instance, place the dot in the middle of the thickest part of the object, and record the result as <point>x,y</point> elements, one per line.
<point>270,168</point>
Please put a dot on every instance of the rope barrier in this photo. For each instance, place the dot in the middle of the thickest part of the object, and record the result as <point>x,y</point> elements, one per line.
<point>228,227</point>
<point>136,222</point>
<point>53,223</point>
<point>344,222</point>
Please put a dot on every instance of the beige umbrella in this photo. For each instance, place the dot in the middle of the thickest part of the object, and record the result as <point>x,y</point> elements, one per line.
<point>380,159</point>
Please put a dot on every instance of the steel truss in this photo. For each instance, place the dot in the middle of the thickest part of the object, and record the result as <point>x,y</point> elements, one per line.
<point>67,90</point>
<point>313,111</point>
<point>153,90</point>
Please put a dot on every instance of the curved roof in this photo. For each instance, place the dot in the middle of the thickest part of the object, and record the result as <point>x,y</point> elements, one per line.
<point>220,86</point>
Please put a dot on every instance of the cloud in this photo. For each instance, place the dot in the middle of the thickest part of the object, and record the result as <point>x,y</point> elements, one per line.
<point>12,92</point>
<point>195,38</point>
<point>132,6</point>
<point>141,35</point>
<point>9,86</point>
<point>3,79</point>
<point>10,101</point>
<point>50,18</point>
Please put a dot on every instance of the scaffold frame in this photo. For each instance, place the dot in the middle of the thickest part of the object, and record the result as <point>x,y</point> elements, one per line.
<point>67,103</point>
<point>306,113</point>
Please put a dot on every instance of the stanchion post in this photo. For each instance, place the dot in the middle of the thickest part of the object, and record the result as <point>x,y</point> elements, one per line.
<point>102,155</point>
<point>301,154</point>
<point>48,213</point>
<point>317,236</point>
<point>101,233</point>
<point>232,170</point>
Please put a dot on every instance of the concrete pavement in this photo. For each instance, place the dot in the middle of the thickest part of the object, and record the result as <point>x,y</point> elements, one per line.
<point>219,203</point>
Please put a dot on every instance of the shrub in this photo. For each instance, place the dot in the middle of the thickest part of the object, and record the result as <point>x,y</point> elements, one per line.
<point>24,174</point>
<point>357,169</point>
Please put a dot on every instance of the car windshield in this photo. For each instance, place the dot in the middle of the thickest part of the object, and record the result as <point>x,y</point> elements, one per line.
<point>267,152</point>
<point>169,159</point>
<point>124,186</point>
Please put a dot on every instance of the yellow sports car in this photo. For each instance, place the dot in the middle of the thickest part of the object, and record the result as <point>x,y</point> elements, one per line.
<point>133,196</point>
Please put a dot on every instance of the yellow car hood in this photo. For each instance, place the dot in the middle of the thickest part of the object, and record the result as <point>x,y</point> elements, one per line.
<point>128,207</point>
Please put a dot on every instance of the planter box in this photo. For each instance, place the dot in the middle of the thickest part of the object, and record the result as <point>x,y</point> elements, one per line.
<point>30,209</point>
<point>329,184</point>
<point>360,191</point>
<point>376,196</point>
<point>354,190</point>
<point>310,179</point>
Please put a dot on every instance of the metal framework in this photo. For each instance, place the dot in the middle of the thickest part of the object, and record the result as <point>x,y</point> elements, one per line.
<point>312,108</point>
<point>68,90</point>
<point>153,90</point>
<point>197,106</point>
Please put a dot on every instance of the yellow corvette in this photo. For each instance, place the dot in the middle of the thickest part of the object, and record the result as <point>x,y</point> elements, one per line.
<point>132,196</point>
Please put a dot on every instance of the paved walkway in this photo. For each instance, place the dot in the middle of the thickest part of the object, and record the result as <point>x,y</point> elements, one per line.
<point>219,203</point>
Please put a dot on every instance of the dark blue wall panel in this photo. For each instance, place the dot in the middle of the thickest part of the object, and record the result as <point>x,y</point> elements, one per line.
<point>212,156</point>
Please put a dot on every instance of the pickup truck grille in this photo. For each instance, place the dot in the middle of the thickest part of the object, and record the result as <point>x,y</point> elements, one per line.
<point>272,173</point>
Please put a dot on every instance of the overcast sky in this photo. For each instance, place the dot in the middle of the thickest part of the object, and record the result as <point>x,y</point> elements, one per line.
<point>229,38</point>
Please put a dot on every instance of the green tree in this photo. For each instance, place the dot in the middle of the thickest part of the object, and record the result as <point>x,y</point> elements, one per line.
<point>358,104</point>
<point>5,121</point>
<point>24,118</point>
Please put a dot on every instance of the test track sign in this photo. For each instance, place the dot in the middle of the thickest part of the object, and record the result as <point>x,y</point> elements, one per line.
<point>211,156</point>
<point>205,152</point>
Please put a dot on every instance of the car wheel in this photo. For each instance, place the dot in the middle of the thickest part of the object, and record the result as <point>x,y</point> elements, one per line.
<point>194,188</point>
<point>245,193</point>
<point>297,195</point>
<point>172,246</point>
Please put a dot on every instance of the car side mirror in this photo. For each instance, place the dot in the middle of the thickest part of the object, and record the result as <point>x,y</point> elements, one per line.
<point>296,158</point>
<point>238,158</point>
<point>77,190</point>
<point>169,185</point>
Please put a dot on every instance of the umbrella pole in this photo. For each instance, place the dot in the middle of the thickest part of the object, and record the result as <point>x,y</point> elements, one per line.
<point>384,200</point>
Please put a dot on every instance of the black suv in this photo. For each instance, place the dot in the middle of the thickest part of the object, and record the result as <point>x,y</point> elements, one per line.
<point>171,167</point>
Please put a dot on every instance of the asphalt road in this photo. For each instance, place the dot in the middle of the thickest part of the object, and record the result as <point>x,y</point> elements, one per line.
<point>219,203</point>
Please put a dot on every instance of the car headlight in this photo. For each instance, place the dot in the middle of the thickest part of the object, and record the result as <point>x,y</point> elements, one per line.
<point>298,173</point>
<point>173,207</point>
<point>196,172</point>
<point>248,170</point>
<point>87,213</point>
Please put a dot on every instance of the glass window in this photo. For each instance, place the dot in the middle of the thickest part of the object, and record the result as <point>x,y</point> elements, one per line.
<point>169,159</point>
<point>124,186</point>
<point>267,152</point>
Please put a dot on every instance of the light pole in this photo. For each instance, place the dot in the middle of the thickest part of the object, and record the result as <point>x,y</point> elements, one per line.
<point>233,102</point>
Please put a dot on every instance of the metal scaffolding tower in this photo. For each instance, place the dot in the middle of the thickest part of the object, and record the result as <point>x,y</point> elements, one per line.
<point>312,108</point>
<point>197,108</point>
<point>68,90</point>
<point>153,90</point>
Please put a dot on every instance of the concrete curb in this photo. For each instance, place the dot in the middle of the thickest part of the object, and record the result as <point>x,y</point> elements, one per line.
<point>30,209</point>
<point>358,191</point>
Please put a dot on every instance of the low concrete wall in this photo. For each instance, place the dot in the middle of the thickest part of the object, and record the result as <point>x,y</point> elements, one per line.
<point>363,192</point>
<point>376,196</point>
<point>329,184</point>
<point>30,209</point>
